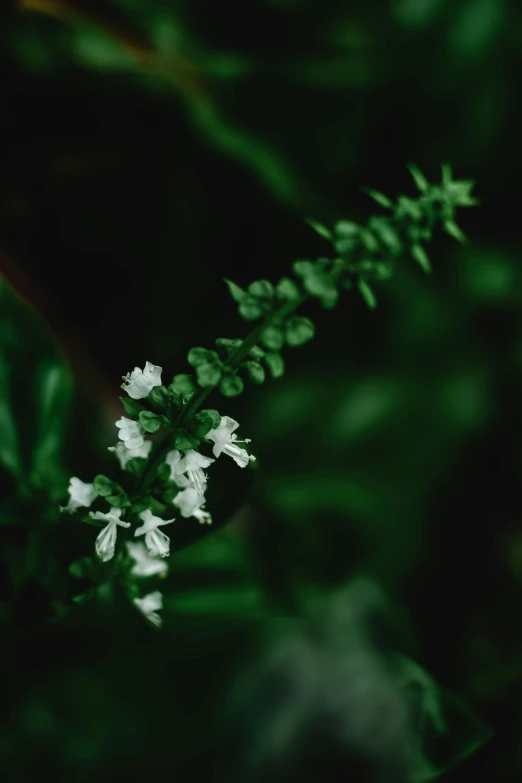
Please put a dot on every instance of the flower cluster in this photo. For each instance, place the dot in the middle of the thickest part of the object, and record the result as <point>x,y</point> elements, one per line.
<point>182,482</point>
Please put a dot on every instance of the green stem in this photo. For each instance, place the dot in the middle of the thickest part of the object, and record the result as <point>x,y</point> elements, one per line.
<point>190,410</point>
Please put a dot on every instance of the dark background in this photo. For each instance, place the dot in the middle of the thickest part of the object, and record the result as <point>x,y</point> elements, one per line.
<point>150,149</point>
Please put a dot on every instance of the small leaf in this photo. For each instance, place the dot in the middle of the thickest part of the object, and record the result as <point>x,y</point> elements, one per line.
<point>288,290</point>
<point>152,422</point>
<point>184,440</point>
<point>299,330</point>
<point>275,364</point>
<point>380,198</point>
<point>319,228</point>
<point>255,372</point>
<point>369,240</point>
<point>367,294</point>
<point>231,386</point>
<point>229,345</point>
<point>132,407</point>
<point>273,337</point>
<point>209,374</point>
<point>136,466</point>
<point>236,292</point>
<point>197,356</point>
<point>303,268</point>
<point>256,352</point>
<point>419,178</point>
<point>420,255</point>
<point>261,288</point>
<point>347,229</point>
<point>159,398</point>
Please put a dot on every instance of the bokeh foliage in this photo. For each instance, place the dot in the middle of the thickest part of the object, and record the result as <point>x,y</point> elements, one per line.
<point>155,148</point>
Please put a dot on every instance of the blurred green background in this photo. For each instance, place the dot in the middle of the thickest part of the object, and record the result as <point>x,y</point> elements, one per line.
<point>149,149</point>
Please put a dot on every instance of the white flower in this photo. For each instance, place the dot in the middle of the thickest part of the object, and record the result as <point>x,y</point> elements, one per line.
<point>192,465</point>
<point>149,606</point>
<point>144,564</point>
<point>130,432</point>
<point>106,541</point>
<point>203,517</point>
<point>124,454</point>
<point>80,494</point>
<point>156,541</point>
<point>188,501</point>
<point>225,441</point>
<point>139,383</point>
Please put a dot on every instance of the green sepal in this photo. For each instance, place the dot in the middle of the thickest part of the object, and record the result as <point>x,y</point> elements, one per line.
<point>386,234</point>
<point>379,197</point>
<point>287,290</point>
<point>152,422</point>
<point>367,294</point>
<point>262,289</point>
<point>199,356</point>
<point>273,337</point>
<point>132,407</point>
<point>256,352</point>
<point>113,493</point>
<point>228,344</point>
<point>236,292</point>
<point>86,519</point>
<point>119,499</point>
<point>250,309</point>
<point>209,374</point>
<point>451,228</point>
<point>205,421</point>
<point>256,372</point>
<point>299,330</point>
<point>319,228</point>
<point>136,466</point>
<point>275,363</point>
<point>160,398</point>
<point>183,384</point>
<point>103,486</point>
<point>231,386</point>
<point>185,440</point>
<point>163,473</point>
<point>420,256</point>
<point>418,177</point>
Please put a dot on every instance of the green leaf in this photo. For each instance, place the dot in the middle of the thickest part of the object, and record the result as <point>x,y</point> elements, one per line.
<point>262,289</point>
<point>184,440</point>
<point>205,421</point>
<point>209,374</point>
<point>229,345</point>
<point>183,384</point>
<point>133,408</point>
<point>256,352</point>
<point>9,446</point>
<point>236,292</point>
<point>275,364</point>
<point>303,268</point>
<point>386,233</point>
<point>418,177</point>
<point>136,466</point>
<point>347,229</point>
<point>319,228</point>
<point>159,398</point>
<point>420,255</point>
<point>369,240</point>
<point>380,198</point>
<point>119,498</point>
<point>250,308</point>
<point>197,356</point>
<point>231,386</point>
<point>273,337</point>
<point>255,372</point>
<point>367,294</point>
<point>299,330</point>
<point>152,422</point>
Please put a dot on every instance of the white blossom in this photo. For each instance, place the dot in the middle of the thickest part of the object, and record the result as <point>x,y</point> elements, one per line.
<point>106,540</point>
<point>187,471</point>
<point>188,501</point>
<point>139,383</point>
<point>203,517</point>
<point>130,432</point>
<point>225,440</point>
<point>149,606</point>
<point>80,494</point>
<point>144,564</point>
<point>157,543</point>
<point>124,454</point>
